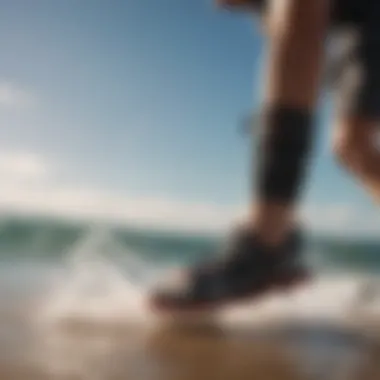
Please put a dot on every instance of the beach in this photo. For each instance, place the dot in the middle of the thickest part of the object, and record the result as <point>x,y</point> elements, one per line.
<point>82,315</point>
<point>80,340</point>
<point>131,140</point>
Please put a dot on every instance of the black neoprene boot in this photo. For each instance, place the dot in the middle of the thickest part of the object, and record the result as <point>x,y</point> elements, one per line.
<point>248,269</point>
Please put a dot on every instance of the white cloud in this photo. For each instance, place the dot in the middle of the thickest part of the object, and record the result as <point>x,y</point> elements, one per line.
<point>21,166</point>
<point>327,216</point>
<point>92,204</point>
<point>12,96</point>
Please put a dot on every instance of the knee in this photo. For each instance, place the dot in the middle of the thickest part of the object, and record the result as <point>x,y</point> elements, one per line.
<point>348,148</point>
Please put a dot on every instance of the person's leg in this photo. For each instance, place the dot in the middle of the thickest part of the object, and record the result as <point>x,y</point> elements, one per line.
<point>356,142</point>
<point>264,254</point>
<point>355,149</point>
<point>296,45</point>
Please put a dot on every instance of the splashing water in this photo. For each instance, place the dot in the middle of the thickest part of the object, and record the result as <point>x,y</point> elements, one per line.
<point>93,287</point>
<point>103,282</point>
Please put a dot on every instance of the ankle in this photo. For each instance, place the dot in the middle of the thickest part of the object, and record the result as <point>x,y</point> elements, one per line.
<point>270,236</point>
<point>272,224</point>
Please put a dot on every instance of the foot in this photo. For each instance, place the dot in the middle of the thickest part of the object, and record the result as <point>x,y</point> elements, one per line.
<point>248,270</point>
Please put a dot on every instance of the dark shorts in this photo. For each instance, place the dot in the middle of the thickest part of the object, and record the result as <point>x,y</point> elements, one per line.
<point>357,81</point>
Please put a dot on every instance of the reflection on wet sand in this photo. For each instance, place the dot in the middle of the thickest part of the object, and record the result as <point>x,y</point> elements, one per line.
<point>215,356</point>
<point>81,351</point>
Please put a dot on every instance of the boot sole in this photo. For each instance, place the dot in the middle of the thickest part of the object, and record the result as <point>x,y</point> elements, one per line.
<point>283,283</point>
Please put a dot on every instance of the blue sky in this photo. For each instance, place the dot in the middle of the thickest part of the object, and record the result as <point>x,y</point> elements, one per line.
<point>138,101</point>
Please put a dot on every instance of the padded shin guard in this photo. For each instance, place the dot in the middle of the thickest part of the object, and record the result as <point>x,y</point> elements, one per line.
<point>284,149</point>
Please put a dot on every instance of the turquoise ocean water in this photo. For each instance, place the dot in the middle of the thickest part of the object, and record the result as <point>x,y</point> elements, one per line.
<point>46,240</point>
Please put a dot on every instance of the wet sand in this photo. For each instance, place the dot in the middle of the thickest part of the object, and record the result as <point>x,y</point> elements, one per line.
<point>71,350</point>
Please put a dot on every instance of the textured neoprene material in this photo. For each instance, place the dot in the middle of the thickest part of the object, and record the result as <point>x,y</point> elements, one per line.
<point>284,152</point>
